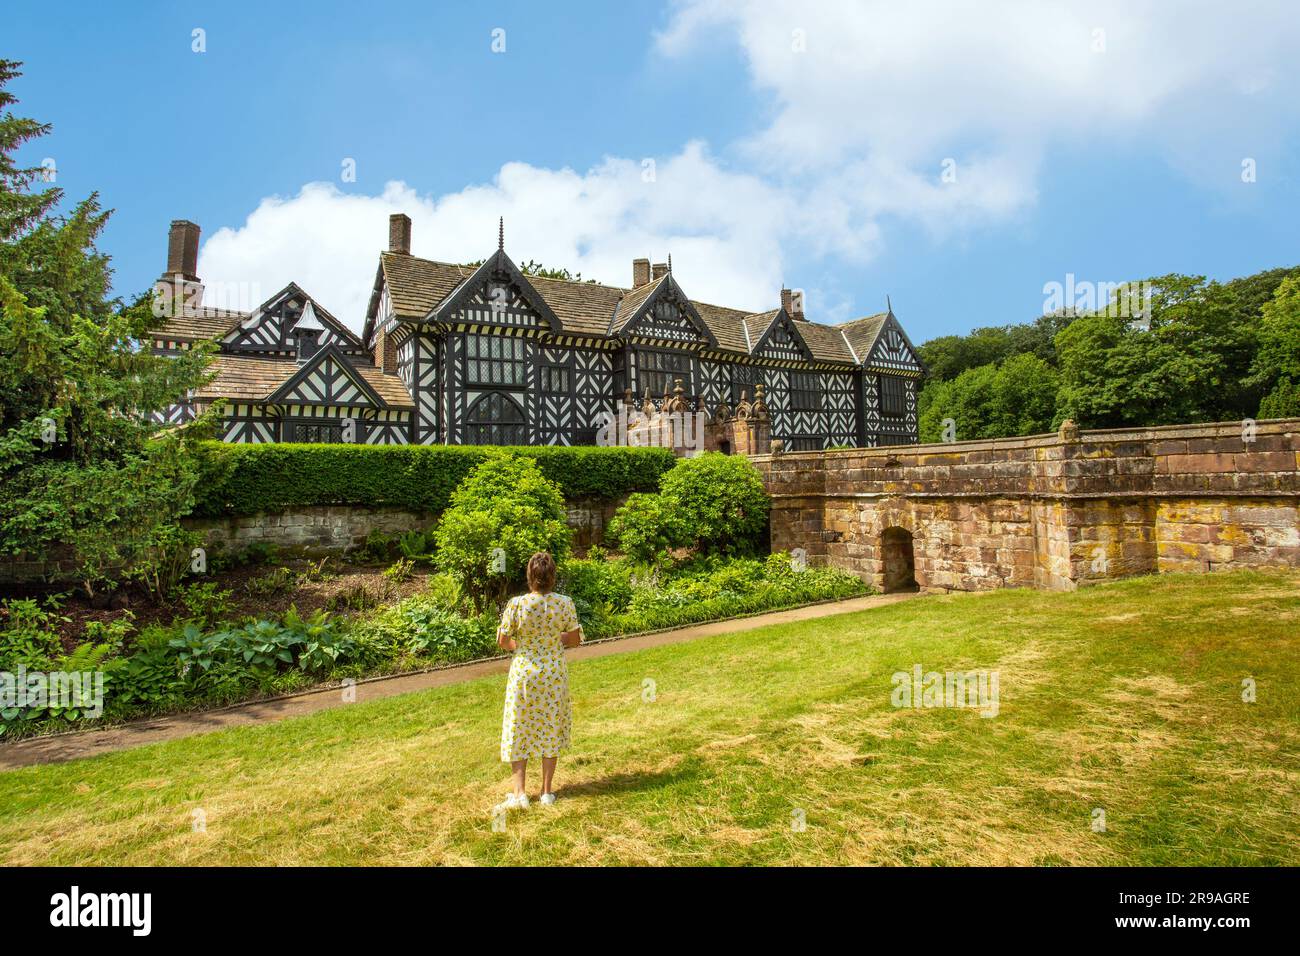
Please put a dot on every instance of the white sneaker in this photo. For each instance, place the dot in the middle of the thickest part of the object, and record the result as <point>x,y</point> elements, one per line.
<point>548,799</point>
<point>513,802</point>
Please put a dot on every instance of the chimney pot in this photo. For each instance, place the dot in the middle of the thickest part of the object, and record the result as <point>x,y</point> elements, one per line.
<point>640,272</point>
<point>399,233</point>
<point>658,270</point>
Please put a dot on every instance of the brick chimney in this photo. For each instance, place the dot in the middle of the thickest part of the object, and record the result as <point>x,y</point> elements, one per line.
<point>792,303</point>
<point>181,277</point>
<point>658,271</point>
<point>399,233</point>
<point>640,272</point>
<point>385,354</point>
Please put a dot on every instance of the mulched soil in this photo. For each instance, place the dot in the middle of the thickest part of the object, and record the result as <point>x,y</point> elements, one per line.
<point>308,596</point>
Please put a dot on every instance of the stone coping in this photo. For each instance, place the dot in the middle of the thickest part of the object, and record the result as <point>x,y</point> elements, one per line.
<point>1270,426</point>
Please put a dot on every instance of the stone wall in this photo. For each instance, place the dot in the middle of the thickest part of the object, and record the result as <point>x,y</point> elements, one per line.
<point>314,531</point>
<point>333,529</point>
<point>1048,511</point>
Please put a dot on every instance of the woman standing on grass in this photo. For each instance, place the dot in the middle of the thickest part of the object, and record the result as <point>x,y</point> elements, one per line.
<point>537,626</point>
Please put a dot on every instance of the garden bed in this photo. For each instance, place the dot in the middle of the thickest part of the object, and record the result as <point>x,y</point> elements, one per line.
<point>167,660</point>
<point>250,625</point>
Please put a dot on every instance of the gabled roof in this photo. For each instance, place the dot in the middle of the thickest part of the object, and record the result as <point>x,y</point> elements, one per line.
<point>249,378</point>
<point>201,323</point>
<point>636,305</point>
<point>584,308</point>
<point>864,336</point>
<point>497,264</point>
<point>417,287</point>
<point>330,355</point>
<point>757,327</point>
<point>826,342</point>
<point>778,318</point>
<point>631,303</point>
<point>862,333</point>
<point>293,290</point>
<point>727,326</point>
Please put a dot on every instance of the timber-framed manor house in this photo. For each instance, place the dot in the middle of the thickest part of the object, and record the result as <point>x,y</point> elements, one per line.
<point>486,355</point>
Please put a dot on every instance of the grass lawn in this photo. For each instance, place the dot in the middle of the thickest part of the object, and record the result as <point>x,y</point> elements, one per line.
<point>1125,697</point>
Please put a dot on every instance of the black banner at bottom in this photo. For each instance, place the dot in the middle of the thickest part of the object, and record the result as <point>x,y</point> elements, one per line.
<point>335,906</point>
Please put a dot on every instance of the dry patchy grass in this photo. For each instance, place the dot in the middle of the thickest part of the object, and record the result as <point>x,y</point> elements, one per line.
<point>1124,697</point>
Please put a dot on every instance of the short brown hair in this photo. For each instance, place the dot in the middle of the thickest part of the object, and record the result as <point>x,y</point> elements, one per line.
<point>541,572</point>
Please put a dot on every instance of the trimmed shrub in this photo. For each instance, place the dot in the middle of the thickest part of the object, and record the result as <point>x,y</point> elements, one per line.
<point>646,528</point>
<point>247,479</point>
<point>502,513</point>
<point>720,500</point>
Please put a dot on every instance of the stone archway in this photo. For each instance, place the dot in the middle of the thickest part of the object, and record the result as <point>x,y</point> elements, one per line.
<point>898,562</point>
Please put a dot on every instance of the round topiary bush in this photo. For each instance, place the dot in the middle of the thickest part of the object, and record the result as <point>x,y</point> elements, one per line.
<point>500,514</point>
<point>645,528</point>
<point>719,500</point>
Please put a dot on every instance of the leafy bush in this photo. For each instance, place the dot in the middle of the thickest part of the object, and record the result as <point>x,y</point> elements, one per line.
<point>400,571</point>
<point>597,582</point>
<point>378,548</point>
<point>720,500</point>
<point>503,512</point>
<point>645,528</point>
<point>279,580</point>
<point>206,604</point>
<point>265,647</point>
<point>161,565</point>
<point>27,634</point>
<point>247,479</point>
<point>443,634</point>
<point>360,597</point>
<point>416,545</point>
<point>620,597</point>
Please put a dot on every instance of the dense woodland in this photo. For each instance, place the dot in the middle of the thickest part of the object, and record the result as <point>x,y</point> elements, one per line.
<point>1203,351</point>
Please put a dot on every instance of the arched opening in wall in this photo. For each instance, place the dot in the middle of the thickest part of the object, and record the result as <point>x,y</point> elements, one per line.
<point>898,560</point>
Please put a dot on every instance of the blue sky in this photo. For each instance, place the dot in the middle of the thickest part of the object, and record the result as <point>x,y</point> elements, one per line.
<point>801,143</point>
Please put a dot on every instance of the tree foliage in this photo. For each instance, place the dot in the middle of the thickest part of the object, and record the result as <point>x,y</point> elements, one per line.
<point>83,464</point>
<point>1198,351</point>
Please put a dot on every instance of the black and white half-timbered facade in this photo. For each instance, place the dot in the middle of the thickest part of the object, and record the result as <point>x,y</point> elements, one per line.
<point>485,355</point>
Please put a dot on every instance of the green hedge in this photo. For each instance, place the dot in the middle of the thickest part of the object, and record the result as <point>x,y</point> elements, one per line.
<point>246,479</point>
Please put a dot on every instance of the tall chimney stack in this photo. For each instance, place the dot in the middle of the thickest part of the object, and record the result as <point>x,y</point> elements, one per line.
<point>181,277</point>
<point>183,249</point>
<point>640,272</point>
<point>399,233</point>
<point>786,304</point>
<point>658,271</point>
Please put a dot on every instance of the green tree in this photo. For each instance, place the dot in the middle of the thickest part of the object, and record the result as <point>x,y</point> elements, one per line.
<point>1276,369</point>
<point>1017,397</point>
<point>1188,361</point>
<point>83,463</point>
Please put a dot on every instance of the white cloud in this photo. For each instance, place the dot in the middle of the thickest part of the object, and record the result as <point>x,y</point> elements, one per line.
<point>883,92</point>
<point>863,121</point>
<point>723,229</point>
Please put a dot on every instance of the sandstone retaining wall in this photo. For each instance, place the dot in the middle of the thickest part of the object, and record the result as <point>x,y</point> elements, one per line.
<point>1049,511</point>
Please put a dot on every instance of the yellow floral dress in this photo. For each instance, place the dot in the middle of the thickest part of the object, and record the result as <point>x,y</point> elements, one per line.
<point>537,717</point>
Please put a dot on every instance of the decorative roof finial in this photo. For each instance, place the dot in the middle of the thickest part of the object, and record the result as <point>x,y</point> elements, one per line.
<point>670,263</point>
<point>889,308</point>
<point>501,233</point>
